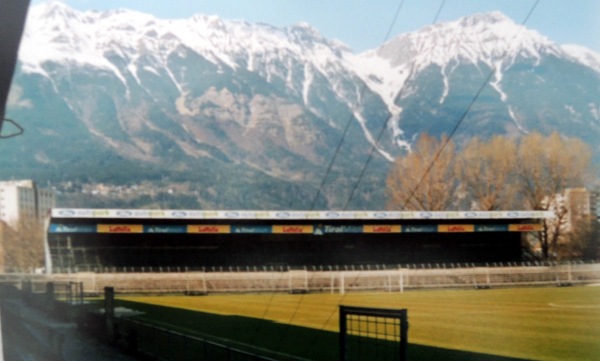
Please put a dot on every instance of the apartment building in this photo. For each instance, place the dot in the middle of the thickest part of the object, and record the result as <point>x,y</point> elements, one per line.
<point>23,200</point>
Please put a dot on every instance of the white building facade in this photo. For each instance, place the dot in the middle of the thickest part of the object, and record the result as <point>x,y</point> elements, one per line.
<point>24,201</point>
<point>578,203</point>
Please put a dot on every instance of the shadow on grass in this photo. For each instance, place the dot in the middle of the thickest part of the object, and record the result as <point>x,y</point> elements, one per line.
<point>274,339</point>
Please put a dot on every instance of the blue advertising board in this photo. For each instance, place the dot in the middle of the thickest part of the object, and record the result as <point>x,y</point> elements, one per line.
<point>71,228</point>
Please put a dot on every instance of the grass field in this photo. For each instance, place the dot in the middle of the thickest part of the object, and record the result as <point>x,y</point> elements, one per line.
<point>496,324</point>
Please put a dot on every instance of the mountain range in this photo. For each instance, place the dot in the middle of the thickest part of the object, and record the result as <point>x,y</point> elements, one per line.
<point>214,113</point>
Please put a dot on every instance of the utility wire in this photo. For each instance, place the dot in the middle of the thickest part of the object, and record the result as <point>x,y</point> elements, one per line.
<point>466,112</point>
<point>411,71</point>
<point>330,166</point>
<point>457,125</point>
<point>384,126</point>
<point>390,29</point>
<point>349,122</point>
<point>362,91</point>
<point>256,333</point>
<point>454,130</point>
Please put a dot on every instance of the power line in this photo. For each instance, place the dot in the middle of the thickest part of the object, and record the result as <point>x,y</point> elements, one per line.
<point>466,112</point>
<point>373,148</point>
<point>387,35</point>
<point>349,122</point>
<point>383,127</point>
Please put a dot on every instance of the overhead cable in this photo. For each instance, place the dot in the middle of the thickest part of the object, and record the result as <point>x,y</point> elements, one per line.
<point>384,125</point>
<point>347,127</point>
<point>466,112</point>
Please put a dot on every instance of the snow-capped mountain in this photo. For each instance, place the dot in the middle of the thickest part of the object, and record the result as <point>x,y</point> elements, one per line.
<point>57,33</point>
<point>489,39</point>
<point>444,60</point>
<point>126,45</point>
<point>234,105</point>
<point>583,55</point>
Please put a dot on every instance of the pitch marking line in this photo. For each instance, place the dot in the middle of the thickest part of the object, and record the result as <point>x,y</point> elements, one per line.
<point>574,306</point>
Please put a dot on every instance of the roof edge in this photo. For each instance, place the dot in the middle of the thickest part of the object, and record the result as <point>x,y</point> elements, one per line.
<point>292,215</point>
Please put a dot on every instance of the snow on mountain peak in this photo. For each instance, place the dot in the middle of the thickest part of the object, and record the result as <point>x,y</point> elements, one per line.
<point>59,34</point>
<point>72,36</point>
<point>492,17</point>
<point>53,9</point>
<point>305,27</point>
<point>305,33</point>
<point>583,55</point>
<point>485,38</point>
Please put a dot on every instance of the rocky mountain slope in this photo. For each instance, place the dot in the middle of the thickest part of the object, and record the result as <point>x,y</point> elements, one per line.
<point>242,115</point>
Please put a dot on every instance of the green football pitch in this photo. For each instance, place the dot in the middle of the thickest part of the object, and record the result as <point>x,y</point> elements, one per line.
<point>555,323</point>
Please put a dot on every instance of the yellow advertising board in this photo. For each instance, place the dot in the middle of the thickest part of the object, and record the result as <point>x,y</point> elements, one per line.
<point>293,229</point>
<point>382,228</point>
<point>524,227</point>
<point>120,228</point>
<point>449,228</point>
<point>208,228</point>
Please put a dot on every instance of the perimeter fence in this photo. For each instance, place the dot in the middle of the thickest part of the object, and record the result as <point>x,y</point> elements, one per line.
<point>43,318</point>
<point>161,343</point>
<point>332,280</point>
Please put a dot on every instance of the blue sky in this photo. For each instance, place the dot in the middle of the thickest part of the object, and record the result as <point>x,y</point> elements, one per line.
<point>363,24</point>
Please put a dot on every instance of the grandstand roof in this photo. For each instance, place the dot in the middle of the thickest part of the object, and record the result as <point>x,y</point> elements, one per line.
<point>291,215</point>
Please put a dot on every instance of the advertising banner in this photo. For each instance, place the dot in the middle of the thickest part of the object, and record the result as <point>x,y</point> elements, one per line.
<point>120,228</point>
<point>524,227</point>
<point>165,229</point>
<point>318,229</point>
<point>382,228</point>
<point>207,228</point>
<point>251,229</point>
<point>419,228</point>
<point>293,229</point>
<point>449,228</point>
<point>70,228</point>
<point>491,228</point>
<point>338,229</point>
<point>317,215</point>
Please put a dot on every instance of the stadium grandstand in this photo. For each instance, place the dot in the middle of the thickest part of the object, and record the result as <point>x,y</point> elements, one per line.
<point>92,239</point>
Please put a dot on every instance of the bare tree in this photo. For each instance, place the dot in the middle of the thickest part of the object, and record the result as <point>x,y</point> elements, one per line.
<point>583,240</point>
<point>552,229</point>
<point>417,182</point>
<point>546,167</point>
<point>549,165</point>
<point>497,174</point>
<point>487,173</point>
<point>23,246</point>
